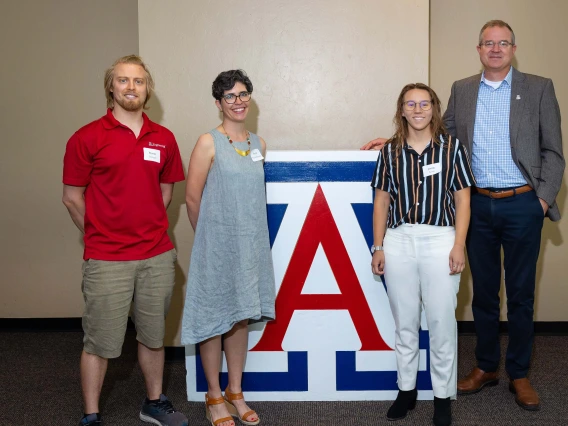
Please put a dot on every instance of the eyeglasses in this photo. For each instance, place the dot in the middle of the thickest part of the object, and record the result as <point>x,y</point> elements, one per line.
<point>411,105</point>
<point>490,44</point>
<point>231,98</point>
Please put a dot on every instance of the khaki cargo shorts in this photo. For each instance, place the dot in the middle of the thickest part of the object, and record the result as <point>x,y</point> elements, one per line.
<point>110,288</point>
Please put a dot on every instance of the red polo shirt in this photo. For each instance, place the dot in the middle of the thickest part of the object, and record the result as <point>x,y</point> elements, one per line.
<point>125,217</point>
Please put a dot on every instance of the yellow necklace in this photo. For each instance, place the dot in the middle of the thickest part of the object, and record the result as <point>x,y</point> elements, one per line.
<point>241,152</point>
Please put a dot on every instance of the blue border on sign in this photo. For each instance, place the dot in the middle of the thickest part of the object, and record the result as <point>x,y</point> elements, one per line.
<point>349,379</point>
<point>293,380</point>
<point>321,171</point>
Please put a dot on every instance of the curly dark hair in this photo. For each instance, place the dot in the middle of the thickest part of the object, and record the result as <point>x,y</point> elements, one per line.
<point>227,80</point>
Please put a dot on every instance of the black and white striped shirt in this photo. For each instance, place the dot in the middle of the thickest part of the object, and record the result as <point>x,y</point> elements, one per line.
<point>421,187</point>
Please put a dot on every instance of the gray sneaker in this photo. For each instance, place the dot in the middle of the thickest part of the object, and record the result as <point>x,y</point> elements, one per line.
<point>91,420</point>
<point>162,413</point>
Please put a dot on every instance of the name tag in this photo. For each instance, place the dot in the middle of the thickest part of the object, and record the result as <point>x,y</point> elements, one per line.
<point>152,155</point>
<point>431,169</point>
<point>256,155</point>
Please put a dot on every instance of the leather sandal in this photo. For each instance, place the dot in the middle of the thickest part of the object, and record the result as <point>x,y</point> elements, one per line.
<point>215,401</point>
<point>230,397</point>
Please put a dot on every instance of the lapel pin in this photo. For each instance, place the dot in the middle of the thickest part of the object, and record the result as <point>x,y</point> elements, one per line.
<point>518,97</point>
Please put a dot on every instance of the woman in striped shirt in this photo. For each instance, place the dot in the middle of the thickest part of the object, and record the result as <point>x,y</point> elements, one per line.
<point>421,214</point>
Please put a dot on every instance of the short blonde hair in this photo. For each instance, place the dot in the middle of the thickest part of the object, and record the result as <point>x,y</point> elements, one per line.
<point>109,76</point>
<point>496,23</point>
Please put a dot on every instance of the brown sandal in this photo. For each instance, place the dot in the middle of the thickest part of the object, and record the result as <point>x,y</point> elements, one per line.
<point>230,397</point>
<point>215,401</point>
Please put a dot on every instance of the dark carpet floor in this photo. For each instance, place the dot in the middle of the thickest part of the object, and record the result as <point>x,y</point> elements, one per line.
<point>39,385</point>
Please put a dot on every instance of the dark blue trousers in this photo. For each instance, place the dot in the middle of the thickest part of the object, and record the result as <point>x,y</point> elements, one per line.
<point>514,224</point>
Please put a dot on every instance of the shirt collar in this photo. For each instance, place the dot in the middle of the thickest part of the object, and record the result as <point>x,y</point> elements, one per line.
<point>110,122</point>
<point>507,79</point>
<point>407,147</point>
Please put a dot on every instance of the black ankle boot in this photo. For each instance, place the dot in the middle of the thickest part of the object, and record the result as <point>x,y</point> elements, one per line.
<point>405,400</point>
<point>442,412</point>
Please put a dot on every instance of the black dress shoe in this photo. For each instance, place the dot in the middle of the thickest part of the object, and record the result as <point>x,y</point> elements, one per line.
<point>442,412</point>
<point>405,400</point>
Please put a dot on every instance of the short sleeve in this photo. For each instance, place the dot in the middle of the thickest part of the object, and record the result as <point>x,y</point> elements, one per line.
<point>463,176</point>
<point>380,176</point>
<point>173,167</point>
<point>77,163</point>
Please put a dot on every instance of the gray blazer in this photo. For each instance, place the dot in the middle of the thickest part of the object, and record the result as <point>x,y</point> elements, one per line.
<point>534,126</point>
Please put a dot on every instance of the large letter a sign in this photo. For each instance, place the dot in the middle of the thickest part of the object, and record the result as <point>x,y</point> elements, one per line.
<point>333,337</point>
<point>320,230</point>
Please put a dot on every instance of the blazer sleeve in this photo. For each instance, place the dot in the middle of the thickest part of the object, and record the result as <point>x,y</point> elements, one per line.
<point>553,163</point>
<point>450,114</point>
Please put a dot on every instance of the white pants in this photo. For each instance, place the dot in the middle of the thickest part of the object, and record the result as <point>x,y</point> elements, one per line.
<point>417,273</point>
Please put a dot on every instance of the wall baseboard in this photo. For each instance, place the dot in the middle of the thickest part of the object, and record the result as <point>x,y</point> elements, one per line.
<point>62,325</point>
<point>541,328</point>
<point>177,353</point>
<point>45,324</point>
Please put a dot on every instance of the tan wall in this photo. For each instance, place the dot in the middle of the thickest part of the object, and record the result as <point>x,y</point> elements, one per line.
<point>541,34</point>
<point>326,74</point>
<point>53,59</point>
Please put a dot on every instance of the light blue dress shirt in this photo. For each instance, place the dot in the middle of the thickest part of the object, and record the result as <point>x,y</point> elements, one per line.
<point>492,161</point>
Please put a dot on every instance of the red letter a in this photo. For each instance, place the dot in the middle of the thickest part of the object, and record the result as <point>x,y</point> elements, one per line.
<point>320,227</point>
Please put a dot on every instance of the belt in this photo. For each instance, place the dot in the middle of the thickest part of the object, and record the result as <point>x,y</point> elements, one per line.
<point>504,194</point>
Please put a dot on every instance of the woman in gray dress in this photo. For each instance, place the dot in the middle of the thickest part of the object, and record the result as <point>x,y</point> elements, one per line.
<point>231,277</point>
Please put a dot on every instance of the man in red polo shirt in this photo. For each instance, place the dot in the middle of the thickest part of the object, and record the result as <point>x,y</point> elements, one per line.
<point>118,178</point>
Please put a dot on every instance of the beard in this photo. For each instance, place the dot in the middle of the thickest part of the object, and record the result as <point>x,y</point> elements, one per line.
<point>130,105</point>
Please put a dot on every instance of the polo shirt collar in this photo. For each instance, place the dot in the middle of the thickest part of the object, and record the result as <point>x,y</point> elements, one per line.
<point>110,122</point>
<point>507,79</point>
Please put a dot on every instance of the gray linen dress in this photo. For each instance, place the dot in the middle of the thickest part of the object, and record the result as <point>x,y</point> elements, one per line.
<point>231,276</point>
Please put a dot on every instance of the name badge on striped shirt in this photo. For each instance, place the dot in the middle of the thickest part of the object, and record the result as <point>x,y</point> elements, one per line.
<point>431,169</point>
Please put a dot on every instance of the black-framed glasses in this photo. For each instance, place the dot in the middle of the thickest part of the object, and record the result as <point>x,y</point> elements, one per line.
<point>411,105</point>
<point>231,98</point>
<point>490,44</point>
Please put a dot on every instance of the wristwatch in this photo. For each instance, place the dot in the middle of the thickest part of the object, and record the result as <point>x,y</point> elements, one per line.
<point>376,248</point>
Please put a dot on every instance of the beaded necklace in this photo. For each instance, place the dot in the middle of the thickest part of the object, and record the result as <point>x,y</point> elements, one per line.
<point>241,152</point>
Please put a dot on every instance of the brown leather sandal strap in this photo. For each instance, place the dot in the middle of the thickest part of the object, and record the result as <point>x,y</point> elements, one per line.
<point>248,413</point>
<point>224,419</point>
<point>233,396</point>
<point>214,401</point>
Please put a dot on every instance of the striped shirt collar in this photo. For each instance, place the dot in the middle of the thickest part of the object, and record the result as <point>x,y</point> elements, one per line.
<point>408,147</point>
<point>508,78</point>
<point>428,147</point>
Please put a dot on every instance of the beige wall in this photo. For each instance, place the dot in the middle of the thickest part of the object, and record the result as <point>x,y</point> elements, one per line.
<point>326,75</point>
<point>541,35</point>
<point>53,59</point>
<point>326,72</point>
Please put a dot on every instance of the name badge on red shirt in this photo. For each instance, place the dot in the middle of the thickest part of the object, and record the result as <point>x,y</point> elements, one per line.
<point>152,155</point>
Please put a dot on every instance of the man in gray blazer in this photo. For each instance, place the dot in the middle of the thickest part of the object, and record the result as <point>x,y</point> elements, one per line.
<point>510,123</point>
